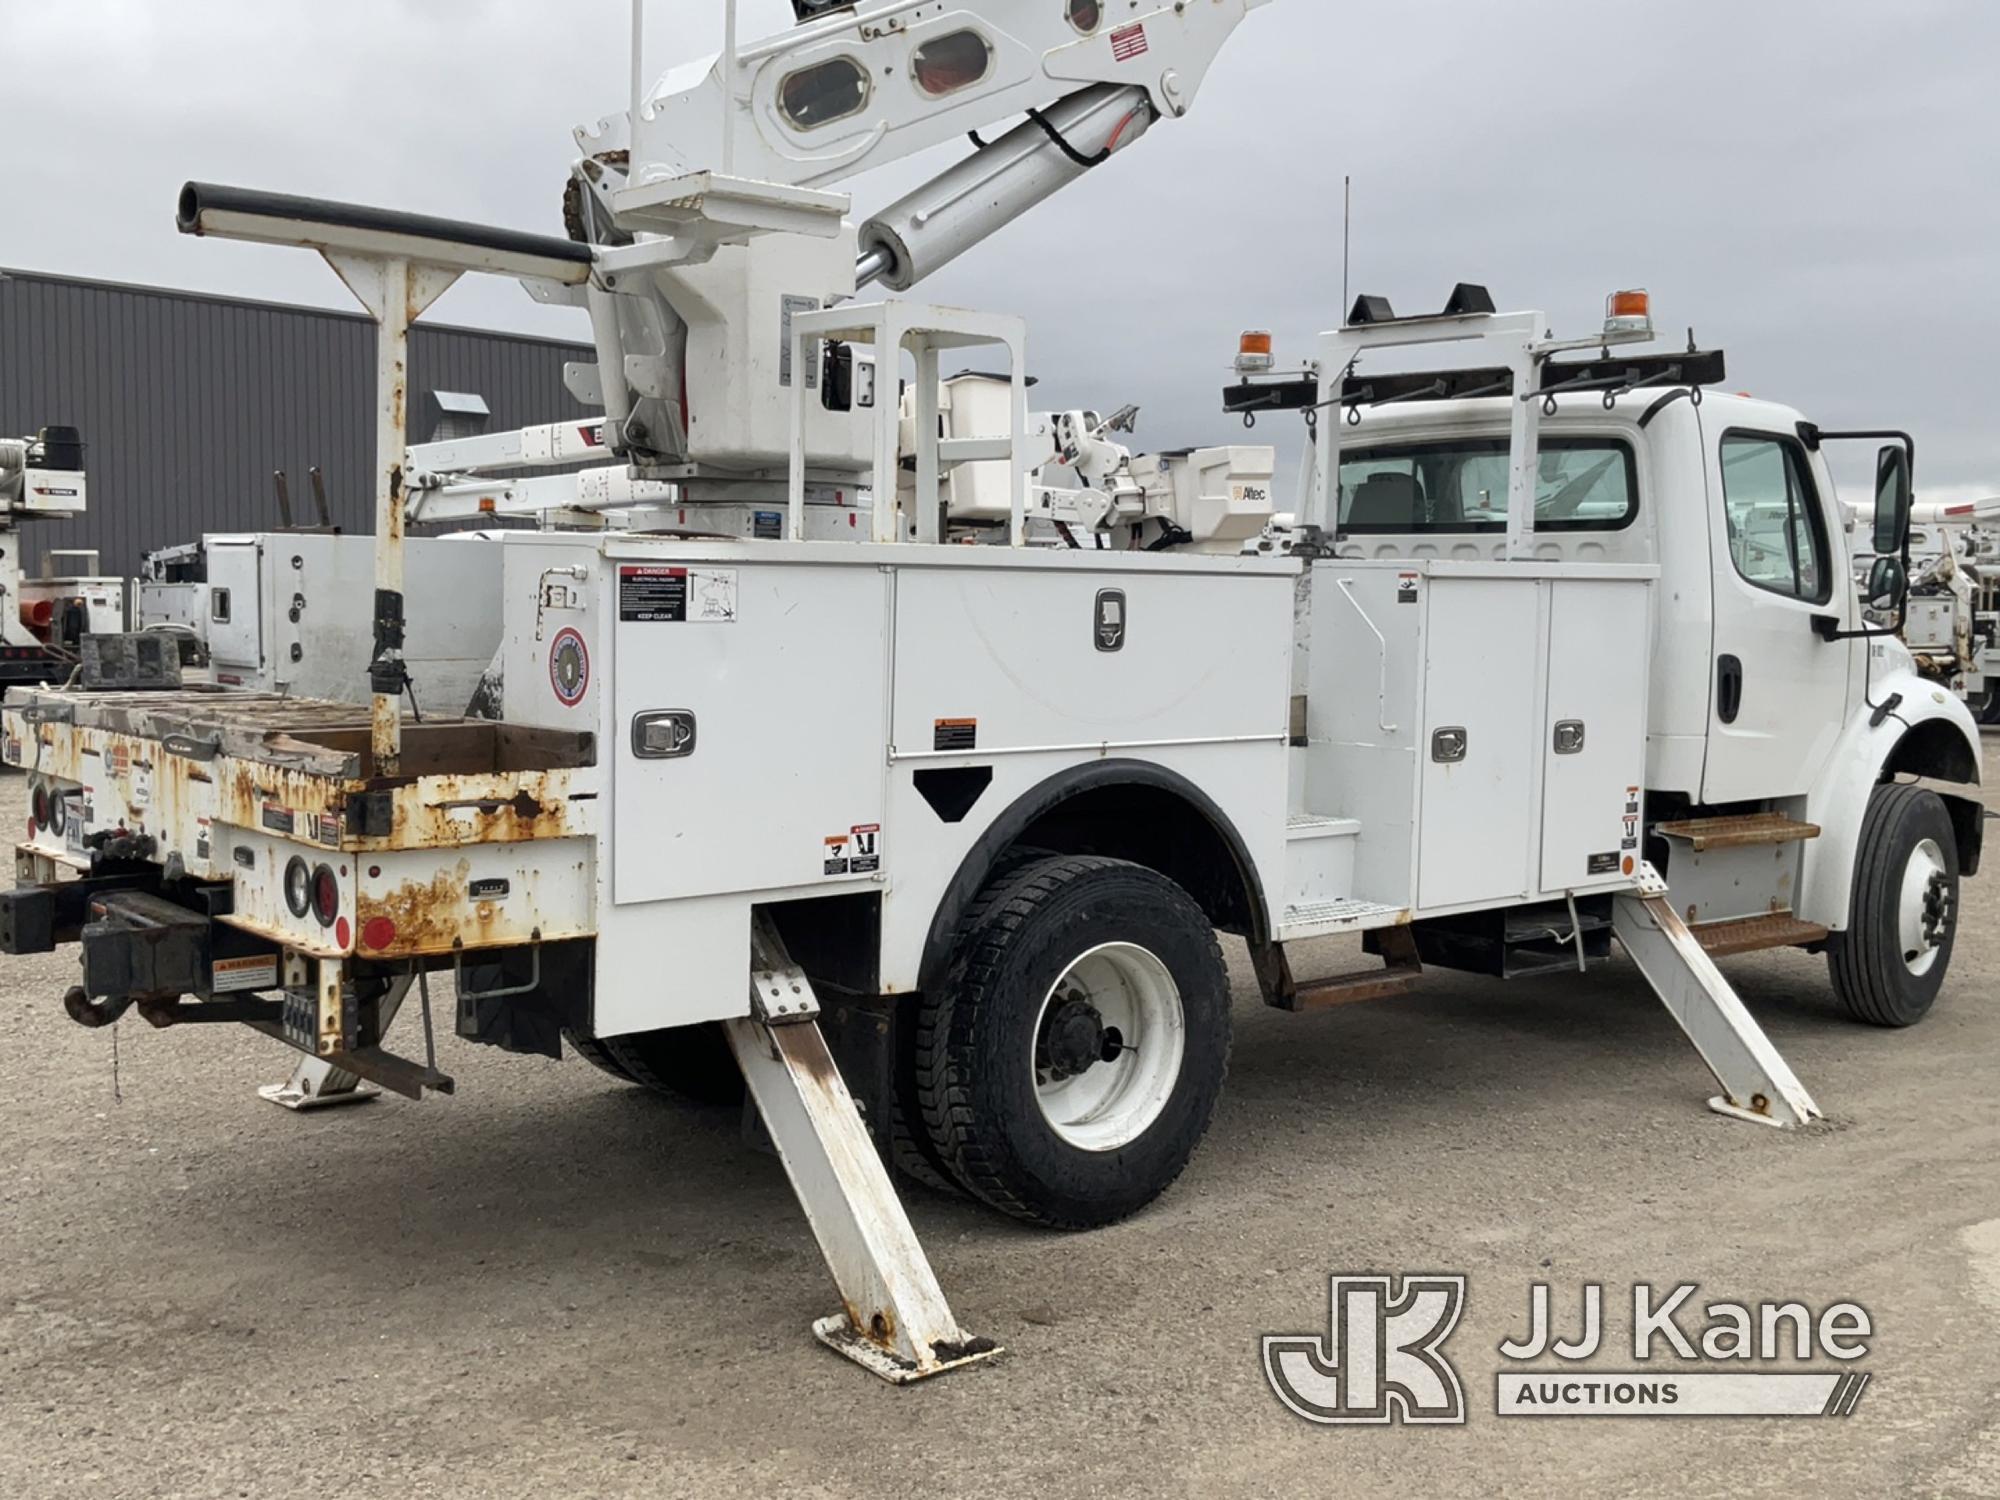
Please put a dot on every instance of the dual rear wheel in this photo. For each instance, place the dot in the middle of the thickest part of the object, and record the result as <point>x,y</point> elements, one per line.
<point>1067,1068</point>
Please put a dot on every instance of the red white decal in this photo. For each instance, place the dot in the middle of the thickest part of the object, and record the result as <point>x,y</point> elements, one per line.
<point>569,668</point>
<point>1128,42</point>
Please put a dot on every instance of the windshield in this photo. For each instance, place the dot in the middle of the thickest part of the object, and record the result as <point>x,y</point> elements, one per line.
<point>1460,484</point>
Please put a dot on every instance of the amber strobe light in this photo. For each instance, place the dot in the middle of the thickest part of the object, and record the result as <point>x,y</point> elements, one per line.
<point>1253,350</point>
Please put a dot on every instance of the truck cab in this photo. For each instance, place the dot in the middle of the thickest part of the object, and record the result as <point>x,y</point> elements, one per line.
<point>1780,723</point>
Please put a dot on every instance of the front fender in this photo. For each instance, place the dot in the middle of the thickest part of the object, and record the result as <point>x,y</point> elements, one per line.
<point>1936,737</point>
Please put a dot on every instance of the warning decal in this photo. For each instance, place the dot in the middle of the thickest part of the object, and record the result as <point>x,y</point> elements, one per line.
<point>955,734</point>
<point>1128,42</point>
<point>838,860</point>
<point>654,595</point>
<point>257,972</point>
<point>1631,840</point>
<point>866,844</point>
<point>1406,588</point>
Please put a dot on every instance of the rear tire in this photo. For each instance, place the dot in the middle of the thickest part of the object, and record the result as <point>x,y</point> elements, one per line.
<point>688,1062</point>
<point>1889,964</point>
<point>911,1148</point>
<point>597,1054</point>
<point>1072,1063</point>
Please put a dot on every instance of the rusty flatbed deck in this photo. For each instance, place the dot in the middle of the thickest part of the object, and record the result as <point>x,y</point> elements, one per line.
<point>230,786</point>
<point>310,736</point>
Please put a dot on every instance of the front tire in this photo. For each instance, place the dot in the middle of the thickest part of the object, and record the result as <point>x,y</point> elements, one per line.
<point>1890,963</point>
<point>1072,1062</point>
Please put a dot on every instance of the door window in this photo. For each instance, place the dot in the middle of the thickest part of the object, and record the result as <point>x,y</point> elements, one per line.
<point>1777,538</point>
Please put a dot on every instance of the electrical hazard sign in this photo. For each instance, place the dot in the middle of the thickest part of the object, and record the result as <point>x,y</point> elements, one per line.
<point>650,594</point>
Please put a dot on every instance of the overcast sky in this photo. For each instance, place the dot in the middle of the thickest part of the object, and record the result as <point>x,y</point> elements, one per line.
<point>1813,184</point>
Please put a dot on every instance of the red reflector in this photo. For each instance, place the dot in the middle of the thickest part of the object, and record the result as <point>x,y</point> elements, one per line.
<point>378,932</point>
<point>340,932</point>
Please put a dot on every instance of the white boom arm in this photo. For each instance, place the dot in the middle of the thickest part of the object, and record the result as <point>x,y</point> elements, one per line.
<point>844,93</point>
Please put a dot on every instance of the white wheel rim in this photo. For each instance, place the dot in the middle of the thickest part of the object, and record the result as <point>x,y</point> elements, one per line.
<point>1918,933</point>
<point>1111,1104</point>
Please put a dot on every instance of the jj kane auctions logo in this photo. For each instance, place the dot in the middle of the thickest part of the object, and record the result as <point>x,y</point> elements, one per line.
<point>1382,1357</point>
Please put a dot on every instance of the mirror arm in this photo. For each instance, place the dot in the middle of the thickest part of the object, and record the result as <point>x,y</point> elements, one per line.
<point>1827,628</point>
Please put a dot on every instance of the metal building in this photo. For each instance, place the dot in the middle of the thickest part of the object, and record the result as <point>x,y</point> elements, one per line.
<point>188,403</point>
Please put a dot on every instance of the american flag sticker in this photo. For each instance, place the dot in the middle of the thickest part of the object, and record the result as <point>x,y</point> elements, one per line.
<point>1128,42</point>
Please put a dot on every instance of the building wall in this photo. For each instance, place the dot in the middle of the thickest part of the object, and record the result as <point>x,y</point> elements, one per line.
<point>188,404</point>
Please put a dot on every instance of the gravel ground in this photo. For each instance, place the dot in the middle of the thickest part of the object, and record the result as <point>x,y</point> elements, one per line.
<point>553,1285</point>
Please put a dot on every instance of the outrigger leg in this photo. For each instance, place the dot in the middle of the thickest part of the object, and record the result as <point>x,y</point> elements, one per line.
<point>318,1084</point>
<point>895,1320</point>
<point>1757,1083</point>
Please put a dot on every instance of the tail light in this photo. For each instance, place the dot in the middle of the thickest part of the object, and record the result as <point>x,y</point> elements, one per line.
<point>38,807</point>
<point>325,895</point>
<point>298,887</point>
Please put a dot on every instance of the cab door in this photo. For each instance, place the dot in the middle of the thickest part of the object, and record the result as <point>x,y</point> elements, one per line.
<point>1778,690</point>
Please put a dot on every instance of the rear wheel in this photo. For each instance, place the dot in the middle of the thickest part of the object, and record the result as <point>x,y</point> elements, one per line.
<point>691,1062</point>
<point>913,1151</point>
<point>1890,963</point>
<point>1072,1063</point>
<point>597,1054</point>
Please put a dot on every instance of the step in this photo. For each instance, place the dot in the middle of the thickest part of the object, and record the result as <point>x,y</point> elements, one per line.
<point>1321,918</point>
<point>1738,832</point>
<point>1349,989</point>
<point>1400,972</point>
<point>1756,934</point>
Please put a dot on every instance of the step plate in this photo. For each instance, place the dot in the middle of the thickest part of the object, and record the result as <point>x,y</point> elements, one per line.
<point>1704,834</point>
<point>1756,934</point>
<point>1320,918</point>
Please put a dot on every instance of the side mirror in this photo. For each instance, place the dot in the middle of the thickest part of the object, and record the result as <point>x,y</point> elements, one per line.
<point>1888,583</point>
<point>1892,501</point>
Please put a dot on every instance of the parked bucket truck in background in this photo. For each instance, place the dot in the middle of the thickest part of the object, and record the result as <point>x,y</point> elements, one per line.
<point>44,617</point>
<point>968,818</point>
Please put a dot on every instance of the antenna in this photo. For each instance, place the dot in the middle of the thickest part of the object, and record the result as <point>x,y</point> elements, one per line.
<point>638,62</point>
<point>1346,238</point>
<point>729,88</point>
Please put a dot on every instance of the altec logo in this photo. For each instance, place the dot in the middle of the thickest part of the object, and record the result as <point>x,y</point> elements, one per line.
<point>1380,1361</point>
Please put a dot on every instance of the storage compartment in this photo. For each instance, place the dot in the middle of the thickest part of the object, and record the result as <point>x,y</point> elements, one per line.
<point>1485,724</point>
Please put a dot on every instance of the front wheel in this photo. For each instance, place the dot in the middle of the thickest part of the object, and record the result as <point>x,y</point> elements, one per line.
<point>1890,963</point>
<point>1072,1062</point>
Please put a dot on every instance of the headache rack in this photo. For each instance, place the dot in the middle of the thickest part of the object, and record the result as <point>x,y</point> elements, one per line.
<point>1609,377</point>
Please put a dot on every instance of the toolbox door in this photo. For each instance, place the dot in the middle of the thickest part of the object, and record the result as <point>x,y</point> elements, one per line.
<point>234,627</point>
<point>1594,738</point>
<point>749,728</point>
<point>1482,721</point>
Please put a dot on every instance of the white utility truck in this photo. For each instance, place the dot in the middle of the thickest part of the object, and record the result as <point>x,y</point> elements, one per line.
<point>933,839</point>
<point>44,616</point>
